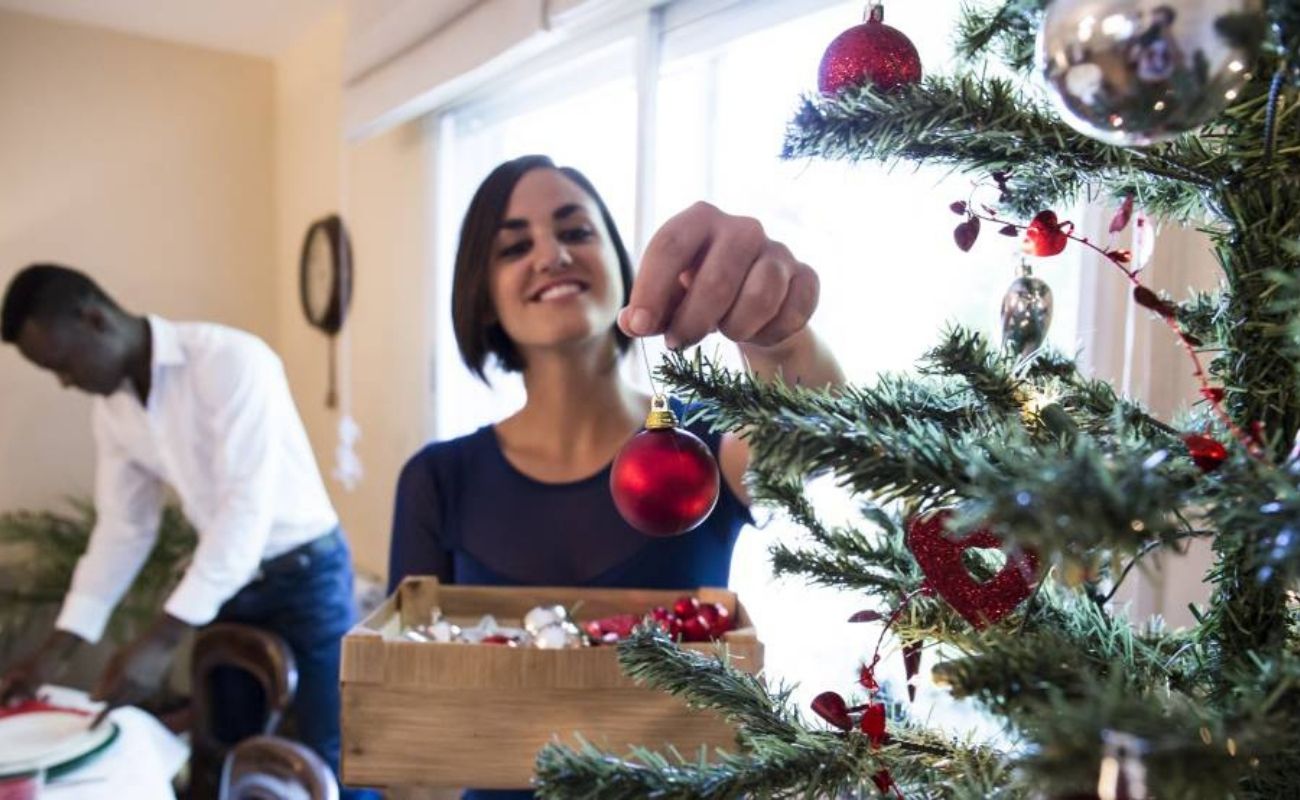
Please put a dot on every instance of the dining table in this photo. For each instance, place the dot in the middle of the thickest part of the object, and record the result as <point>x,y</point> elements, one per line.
<point>140,763</point>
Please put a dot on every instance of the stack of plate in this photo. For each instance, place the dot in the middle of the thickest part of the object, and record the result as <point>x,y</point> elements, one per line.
<point>51,739</point>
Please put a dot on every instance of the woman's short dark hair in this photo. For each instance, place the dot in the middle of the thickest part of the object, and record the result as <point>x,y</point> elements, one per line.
<point>478,333</point>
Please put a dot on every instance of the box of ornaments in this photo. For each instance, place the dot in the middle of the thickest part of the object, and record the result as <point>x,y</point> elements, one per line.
<point>460,686</point>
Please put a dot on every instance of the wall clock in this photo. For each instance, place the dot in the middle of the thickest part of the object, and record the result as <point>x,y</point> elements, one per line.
<point>325,285</point>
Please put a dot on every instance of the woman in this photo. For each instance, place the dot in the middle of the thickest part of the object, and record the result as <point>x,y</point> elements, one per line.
<point>544,284</point>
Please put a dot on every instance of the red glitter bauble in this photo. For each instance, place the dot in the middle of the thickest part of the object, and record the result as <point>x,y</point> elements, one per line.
<point>871,52</point>
<point>940,558</point>
<point>664,481</point>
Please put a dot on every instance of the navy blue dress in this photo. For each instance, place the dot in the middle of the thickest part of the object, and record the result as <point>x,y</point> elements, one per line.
<point>466,515</point>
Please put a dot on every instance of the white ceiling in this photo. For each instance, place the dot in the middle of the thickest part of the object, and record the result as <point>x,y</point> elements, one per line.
<point>253,27</point>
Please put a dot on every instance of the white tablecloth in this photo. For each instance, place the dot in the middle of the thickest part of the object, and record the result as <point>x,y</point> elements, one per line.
<point>140,765</point>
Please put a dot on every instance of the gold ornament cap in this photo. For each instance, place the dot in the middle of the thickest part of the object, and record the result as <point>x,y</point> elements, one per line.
<point>661,417</point>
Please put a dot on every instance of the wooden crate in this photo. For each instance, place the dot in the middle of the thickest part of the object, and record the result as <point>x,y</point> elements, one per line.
<point>430,714</point>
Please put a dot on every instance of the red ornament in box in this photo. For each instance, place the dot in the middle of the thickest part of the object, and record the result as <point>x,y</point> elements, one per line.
<point>716,616</point>
<point>689,620</point>
<point>686,606</point>
<point>664,480</point>
<point>940,558</point>
<point>871,52</point>
<point>695,629</point>
<point>611,629</point>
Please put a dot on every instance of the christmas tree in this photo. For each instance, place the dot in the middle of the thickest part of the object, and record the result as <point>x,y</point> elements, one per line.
<point>1187,110</point>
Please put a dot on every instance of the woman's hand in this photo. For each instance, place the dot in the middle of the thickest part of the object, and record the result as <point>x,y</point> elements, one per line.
<point>707,271</point>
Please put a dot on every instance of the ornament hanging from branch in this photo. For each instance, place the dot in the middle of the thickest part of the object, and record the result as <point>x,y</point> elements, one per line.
<point>872,52</point>
<point>1045,235</point>
<point>940,558</point>
<point>1138,72</point>
<point>1026,313</point>
<point>664,480</point>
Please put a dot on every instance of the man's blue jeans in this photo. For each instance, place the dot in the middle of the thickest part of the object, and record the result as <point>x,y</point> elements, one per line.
<point>306,598</point>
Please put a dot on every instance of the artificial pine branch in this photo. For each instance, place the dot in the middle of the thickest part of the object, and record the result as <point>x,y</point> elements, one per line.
<point>967,354</point>
<point>841,557</point>
<point>1065,642</point>
<point>1047,458</point>
<point>1046,162</point>
<point>1188,754</point>
<point>707,681</point>
<point>1115,493</point>
<point>779,756</point>
<point>1101,412</point>
<point>1065,502</point>
<point>1008,30</point>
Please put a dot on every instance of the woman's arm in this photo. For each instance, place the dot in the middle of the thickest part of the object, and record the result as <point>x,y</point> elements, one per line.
<point>801,360</point>
<point>706,271</point>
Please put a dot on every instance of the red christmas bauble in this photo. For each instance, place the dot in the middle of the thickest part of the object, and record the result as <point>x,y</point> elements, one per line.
<point>1208,454</point>
<point>696,629</point>
<point>664,481</point>
<point>717,616</point>
<point>686,606</point>
<point>872,51</point>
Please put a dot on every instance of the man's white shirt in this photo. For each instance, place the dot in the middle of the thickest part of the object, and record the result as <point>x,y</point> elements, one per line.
<point>221,429</point>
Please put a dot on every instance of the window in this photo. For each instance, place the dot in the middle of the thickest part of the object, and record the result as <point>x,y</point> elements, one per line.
<point>581,113</point>
<point>726,86</point>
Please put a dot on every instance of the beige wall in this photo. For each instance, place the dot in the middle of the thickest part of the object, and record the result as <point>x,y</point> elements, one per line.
<point>1184,262</point>
<point>184,179</point>
<point>148,164</point>
<point>379,186</point>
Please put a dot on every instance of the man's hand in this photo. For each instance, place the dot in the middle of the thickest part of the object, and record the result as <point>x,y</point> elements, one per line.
<point>44,665</point>
<point>135,672</point>
<point>706,271</point>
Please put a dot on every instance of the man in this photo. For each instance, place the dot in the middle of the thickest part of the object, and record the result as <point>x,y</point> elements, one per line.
<point>207,410</point>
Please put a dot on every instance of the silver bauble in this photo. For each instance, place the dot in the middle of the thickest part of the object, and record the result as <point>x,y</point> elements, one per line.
<point>1136,72</point>
<point>540,617</point>
<point>1026,313</point>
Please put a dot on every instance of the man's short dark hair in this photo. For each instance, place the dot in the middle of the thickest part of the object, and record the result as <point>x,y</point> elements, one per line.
<point>45,291</point>
<point>477,334</point>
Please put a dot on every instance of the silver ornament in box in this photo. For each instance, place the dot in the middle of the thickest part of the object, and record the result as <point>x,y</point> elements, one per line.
<point>1137,72</point>
<point>540,617</point>
<point>1026,313</point>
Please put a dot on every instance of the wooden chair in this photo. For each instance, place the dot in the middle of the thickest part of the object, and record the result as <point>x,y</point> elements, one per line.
<point>274,768</point>
<point>260,655</point>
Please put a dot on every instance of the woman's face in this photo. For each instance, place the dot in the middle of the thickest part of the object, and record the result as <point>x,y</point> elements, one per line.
<point>553,276</point>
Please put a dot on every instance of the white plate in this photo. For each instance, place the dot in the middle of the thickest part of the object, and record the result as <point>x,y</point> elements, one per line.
<point>48,739</point>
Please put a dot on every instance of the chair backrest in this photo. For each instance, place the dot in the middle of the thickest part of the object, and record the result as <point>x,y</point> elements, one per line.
<point>264,659</point>
<point>263,655</point>
<point>273,768</point>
